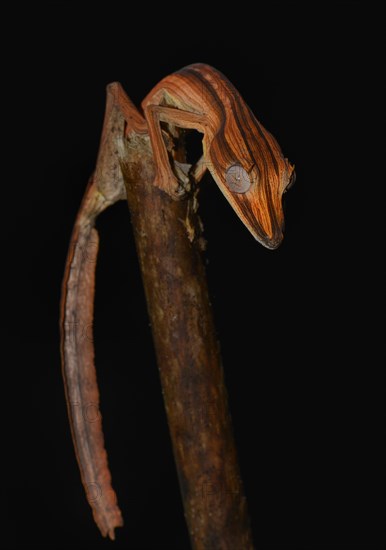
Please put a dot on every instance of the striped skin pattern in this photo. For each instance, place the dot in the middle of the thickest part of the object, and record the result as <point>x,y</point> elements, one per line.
<point>248,166</point>
<point>200,97</point>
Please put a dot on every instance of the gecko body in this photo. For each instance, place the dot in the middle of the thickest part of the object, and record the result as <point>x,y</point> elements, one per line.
<point>243,158</point>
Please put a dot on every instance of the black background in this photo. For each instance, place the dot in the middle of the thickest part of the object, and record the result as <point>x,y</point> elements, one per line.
<point>298,328</point>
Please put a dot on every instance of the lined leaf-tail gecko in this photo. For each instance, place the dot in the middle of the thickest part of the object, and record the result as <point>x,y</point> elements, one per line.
<point>243,158</point>
<point>247,164</point>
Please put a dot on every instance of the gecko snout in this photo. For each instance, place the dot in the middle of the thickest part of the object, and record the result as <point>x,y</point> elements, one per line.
<point>272,242</point>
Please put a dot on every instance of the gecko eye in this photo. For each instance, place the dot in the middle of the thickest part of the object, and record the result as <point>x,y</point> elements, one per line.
<point>292,176</point>
<point>237,179</point>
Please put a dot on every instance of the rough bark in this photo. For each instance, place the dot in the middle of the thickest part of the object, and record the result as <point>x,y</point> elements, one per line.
<point>168,240</point>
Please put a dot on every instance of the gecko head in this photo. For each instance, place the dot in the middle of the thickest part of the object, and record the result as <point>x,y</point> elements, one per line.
<point>253,182</point>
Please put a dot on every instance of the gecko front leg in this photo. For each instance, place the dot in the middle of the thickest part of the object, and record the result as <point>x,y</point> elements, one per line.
<point>155,114</point>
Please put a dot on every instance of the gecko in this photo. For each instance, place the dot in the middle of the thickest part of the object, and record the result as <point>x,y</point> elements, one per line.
<point>243,158</point>
<point>248,166</point>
